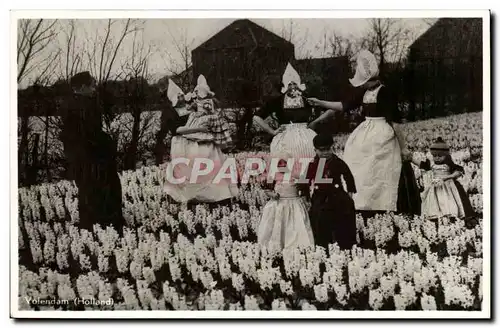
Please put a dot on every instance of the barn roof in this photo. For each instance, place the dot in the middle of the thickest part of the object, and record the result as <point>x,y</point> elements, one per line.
<point>450,38</point>
<point>180,79</point>
<point>243,33</point>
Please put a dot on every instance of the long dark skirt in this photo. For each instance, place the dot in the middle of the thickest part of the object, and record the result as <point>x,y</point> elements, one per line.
<point>468,209</point>
<point>333,219</point>
<point>409,201</point>
<point>100,200</point>
<point>471,217</point>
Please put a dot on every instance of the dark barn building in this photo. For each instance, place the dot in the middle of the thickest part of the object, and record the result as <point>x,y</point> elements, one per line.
<point>243,51</point>
<point>245,60</point>
<point>446,70</point>
<point>325,78</point>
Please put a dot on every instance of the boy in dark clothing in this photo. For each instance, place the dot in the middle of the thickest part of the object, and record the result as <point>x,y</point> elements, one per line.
<point>332,213</point>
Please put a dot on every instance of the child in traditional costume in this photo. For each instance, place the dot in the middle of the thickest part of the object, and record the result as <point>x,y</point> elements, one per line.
<point>285,221</point>
<point>445,197</point>
<point>332,213</point>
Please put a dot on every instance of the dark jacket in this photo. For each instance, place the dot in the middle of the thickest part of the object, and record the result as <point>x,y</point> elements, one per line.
<point>336,170</point>
<point>332,213</point>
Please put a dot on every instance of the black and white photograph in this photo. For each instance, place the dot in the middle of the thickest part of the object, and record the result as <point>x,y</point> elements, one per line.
<point>205,164</point>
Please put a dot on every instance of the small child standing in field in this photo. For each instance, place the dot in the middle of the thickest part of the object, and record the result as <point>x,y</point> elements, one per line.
<point>285,220</point>
<point>445,197</point>
<point>333,215</point>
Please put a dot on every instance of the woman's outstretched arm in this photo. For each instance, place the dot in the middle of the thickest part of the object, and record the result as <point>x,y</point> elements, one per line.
<point>263,125</point>
<point>326,115</point>
<point>331,106</point>
<point>186,130</point>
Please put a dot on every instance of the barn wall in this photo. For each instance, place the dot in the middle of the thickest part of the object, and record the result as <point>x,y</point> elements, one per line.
<point>446,69</point>
<point>262,66</point>
<point>325,78</point>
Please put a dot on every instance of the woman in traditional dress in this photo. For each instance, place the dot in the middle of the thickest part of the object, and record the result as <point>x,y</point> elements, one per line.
<point>174,113</point>
<point>180,102</point>
<point>293,139</point>
<point>375,149</point>
<point>204,136</point>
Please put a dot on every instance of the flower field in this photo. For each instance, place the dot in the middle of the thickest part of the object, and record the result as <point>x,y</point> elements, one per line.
<point>206,258</point>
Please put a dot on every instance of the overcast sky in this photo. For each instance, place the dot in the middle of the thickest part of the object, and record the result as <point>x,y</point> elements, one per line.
<point>160,33</point>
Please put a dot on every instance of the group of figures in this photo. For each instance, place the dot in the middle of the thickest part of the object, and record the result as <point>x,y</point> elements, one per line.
<point>376,165</point>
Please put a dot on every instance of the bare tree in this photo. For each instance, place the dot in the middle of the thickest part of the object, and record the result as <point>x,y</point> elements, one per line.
<point>72,57</point>
<point>136,73</point>
<point>33,48</point>
<point>341,46</point>
<point>101,52</point>
<point>389,39</point>
<point>177,58</point>
<point>35,61</point>
<point>292,32</point>
<point>103,49</point>
<point>337,45</point>
<point>287,30</point>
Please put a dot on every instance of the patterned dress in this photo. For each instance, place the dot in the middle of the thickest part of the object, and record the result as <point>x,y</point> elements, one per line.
<point>196,147</point>
<point>447,198</point>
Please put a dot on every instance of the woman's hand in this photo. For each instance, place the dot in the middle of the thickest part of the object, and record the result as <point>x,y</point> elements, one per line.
<point>314,101</point>
<point>263,125</point>
<point>279,130</point>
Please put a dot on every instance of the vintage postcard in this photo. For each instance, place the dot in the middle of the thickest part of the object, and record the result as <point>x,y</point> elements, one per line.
<point>225,164</point>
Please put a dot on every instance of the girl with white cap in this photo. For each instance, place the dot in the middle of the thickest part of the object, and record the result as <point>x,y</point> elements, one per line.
<point>174,114</point>
<point>374,150</point>
<point>445,196</point>
<point>204,135</point>
<point>180,102</point>
<point>293,139</point>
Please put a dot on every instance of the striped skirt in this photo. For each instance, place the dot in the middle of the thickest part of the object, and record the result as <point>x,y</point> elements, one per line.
<point>295,142</point>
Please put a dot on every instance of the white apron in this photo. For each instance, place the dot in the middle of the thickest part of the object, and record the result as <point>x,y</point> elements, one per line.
<point>285,222</point>
<point>373,155</point>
